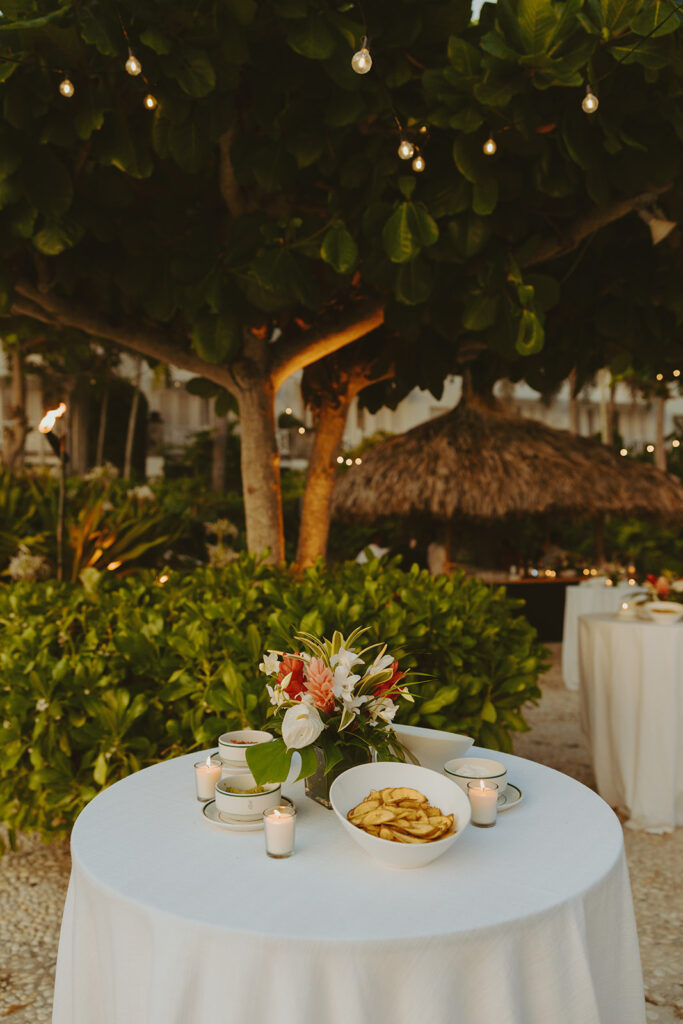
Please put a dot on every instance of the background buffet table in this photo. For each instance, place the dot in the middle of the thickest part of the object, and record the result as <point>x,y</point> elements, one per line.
<point>632,714</point>
<point>171,920</point>
<point>588,598</point>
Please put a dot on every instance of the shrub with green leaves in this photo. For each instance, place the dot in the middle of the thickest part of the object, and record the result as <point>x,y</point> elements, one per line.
<point>103,679</point>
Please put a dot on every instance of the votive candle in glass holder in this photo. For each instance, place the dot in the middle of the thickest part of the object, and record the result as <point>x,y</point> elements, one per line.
<point>279,825</point>
<point>484,802</point>
<point>206,775</point>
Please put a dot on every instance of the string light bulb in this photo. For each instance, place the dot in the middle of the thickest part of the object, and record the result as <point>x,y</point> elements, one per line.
<point>589,103</point>
<point>66,88</point>
<point>133,65</point>
<point>418,164</point>
<point>489,147</point>
<point>150,102</point>
<point>677,373</point>
<point>406,149</point>
<point>660,376</point>
<point>361,62</point>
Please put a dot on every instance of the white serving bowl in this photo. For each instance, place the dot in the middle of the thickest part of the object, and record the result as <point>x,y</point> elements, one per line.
<point>463,769</point>
<point>666,612</point>
<point>352,786</point>
<point>233,746</point>
<point>432,747</point>
<point>245,806</point>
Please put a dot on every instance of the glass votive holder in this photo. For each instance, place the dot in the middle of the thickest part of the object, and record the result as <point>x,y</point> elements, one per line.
<point>206,774</point>
<point>483,801</point>
<point>278,824</point>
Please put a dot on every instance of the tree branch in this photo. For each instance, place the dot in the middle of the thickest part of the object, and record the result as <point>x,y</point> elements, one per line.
<point>599,217</point>
<point>230,190</point>
<point>50,308</point>
<point>295,355</point>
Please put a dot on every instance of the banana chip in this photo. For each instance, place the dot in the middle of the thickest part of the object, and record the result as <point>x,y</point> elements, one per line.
<point>401,815</point>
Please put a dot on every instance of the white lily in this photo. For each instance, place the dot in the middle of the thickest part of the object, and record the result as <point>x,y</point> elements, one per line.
<point>379,664</point>
<point>277,695</point>
<point>385,709</point>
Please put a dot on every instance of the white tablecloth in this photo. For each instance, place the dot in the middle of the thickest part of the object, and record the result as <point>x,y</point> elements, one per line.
<point>586,599</point>
<point>170,920</point>
<point>632,713</point>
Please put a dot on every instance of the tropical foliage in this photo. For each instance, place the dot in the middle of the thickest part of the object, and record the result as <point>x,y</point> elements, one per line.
<point>99,681</point>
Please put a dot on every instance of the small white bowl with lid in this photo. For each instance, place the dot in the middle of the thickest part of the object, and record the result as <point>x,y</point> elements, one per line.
<point>233,746</point>
<point>464,769</point>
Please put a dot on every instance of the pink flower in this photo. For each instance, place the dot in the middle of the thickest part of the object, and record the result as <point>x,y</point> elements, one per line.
<point>319,680</point>
<point>663,586</point>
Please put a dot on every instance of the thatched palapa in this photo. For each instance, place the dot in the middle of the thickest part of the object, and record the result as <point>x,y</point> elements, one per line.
<point>485,464</point>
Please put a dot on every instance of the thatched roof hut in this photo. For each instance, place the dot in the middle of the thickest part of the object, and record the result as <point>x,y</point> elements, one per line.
<point>483,464</point>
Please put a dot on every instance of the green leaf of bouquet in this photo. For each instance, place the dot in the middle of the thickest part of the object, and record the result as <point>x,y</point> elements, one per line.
<point>339,250</point>
<point>269,762</point>
<point>309,763</point>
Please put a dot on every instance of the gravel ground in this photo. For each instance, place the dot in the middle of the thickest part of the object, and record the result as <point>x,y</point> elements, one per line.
<point>33,883</point>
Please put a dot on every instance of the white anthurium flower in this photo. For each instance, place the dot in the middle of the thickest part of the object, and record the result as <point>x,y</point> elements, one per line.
<point>677,585</point>
<point>270,664</point>
<point>343,682</point>
<point>301,725</point>
<point>345,659</point>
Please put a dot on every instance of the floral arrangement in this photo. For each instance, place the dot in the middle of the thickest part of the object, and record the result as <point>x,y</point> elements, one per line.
<point>665,587</point>
<point>331,696</point>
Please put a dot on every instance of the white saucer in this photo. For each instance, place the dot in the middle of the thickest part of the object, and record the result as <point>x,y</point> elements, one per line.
<point>510,797</point>
<point>236,824</point>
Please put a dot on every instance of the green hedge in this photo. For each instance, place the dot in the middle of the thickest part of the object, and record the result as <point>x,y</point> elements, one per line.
<point>98,682</point>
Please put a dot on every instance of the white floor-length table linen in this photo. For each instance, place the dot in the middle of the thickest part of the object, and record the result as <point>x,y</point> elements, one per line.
<point>170,920</point>
<point>632,714</point>
<point>590,597</point>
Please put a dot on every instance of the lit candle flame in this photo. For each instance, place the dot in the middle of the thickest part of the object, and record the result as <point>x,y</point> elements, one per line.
<point>50,418</point>
<point>208,761</point>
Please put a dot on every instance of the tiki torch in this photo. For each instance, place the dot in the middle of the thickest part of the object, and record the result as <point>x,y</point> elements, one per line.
<point>57,441</point>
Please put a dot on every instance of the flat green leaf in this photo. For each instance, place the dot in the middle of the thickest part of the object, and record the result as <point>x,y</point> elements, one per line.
<point>202,387</point>
<point>530,336</point>
<point>414,282</point>
<point>193,71</point>
<point>216,337</point>
<point>339,249</point>
<point>312,38</point>
<point>309,762</point>
<point>156,40</point>
<point>480,312</point>
<point>464,58</point>
<point>100,770</point>
<point>485,196</point>
<point>189,145</point>
<point>409,229</point>
<point>269,762</point>
<point>57,236</point>
<point>652,17</point>
<point>94,30</point>
<point>47,183</point>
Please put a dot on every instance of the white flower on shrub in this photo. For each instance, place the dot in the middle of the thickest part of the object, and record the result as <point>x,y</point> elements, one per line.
<point>105,472</point>
<point>141,493</point>
<point>270,664</point>
<point>42,704</point>
<point>25,566</point>
<point>302,724</point>
<point>220,556</point>
<point>222,528</point>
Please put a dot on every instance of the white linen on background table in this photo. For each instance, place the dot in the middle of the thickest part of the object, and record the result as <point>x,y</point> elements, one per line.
<point>585,599</point>
<point>170,920</point>
<point>632,714</point>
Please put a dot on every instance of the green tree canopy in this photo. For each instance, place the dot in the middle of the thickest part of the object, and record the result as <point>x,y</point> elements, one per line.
<point>259,218</point>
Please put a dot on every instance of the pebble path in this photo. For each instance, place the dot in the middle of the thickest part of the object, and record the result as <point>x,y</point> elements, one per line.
<point>33,883</point>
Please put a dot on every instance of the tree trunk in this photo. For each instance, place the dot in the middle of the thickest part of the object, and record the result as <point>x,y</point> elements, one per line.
<point>330,422</point>
<point>574,426</point>
<point>14,436</point>
<point>260,460</point>
<point>132,419</point>
<point>102,430</point>
<point>660,450</point>
<point>218,450</point>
